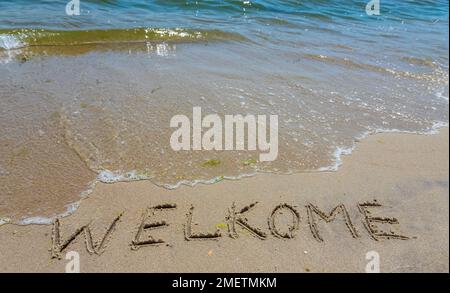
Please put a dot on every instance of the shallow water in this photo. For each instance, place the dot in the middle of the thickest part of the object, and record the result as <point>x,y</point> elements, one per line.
<point>91,96</point>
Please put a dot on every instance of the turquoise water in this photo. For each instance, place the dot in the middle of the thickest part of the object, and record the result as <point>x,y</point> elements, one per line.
<point>419,28</point>
<point>89,97</point>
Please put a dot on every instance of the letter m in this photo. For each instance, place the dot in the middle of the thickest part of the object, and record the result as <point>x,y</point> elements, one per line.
<point>340,209</point>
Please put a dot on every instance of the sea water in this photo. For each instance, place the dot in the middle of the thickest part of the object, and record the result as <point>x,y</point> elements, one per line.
<point>88,98</point>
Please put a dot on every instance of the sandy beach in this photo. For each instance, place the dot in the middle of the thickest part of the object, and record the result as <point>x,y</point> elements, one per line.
<point>390,197</point>
<point>225,137</point>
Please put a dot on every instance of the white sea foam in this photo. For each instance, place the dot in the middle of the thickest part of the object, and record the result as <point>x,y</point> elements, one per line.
<point>2,171</point>
<point>71,208</point>
<point>440,95</point>
<point>437,126</point>
<point>107,176</point>
<point>4,221</point>
<point>7,45</point>
<point>433,129</point>
<point>193,183</point>
<point>337,155</point>
<point>37,221</point>
<point>340,151</point>
<point>9,42</point>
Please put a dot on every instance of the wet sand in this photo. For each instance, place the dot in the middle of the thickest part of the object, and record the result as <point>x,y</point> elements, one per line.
<point>391,196</point>
<point>61,132</point>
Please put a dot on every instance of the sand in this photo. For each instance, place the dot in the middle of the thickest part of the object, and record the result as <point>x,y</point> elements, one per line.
<point>391,194</point>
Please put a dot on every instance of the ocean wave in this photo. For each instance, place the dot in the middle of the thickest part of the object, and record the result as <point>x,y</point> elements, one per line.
<point>71,208</point>
<point>341,151</point>
<point>19,38</point>
<point>110,177</point>
<point>437,75</point>
<point>8,42</point>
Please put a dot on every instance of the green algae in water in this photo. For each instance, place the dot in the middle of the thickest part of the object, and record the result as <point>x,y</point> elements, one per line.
<point>23,152</point>
<point>156,89</point>
<point>250,162</point>
<point>221,225</point>
<point>211,163</point>
<point>44,37</point>
<point>84,105</point>
<point>55,116</point>
<point>143,175</point>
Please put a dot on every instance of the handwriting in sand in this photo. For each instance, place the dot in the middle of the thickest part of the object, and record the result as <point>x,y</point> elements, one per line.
<point>235,220</point>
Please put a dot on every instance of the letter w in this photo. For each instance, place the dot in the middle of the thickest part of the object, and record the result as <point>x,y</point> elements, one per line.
<point>58,246</point>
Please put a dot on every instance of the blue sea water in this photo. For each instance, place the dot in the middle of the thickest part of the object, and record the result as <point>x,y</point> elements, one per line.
<point>419,28</point>
<point>89,97</point>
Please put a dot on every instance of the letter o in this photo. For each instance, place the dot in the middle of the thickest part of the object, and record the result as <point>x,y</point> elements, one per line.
<point>295,223</point>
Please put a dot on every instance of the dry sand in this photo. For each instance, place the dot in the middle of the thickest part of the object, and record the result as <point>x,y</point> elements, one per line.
<point>408,175</point>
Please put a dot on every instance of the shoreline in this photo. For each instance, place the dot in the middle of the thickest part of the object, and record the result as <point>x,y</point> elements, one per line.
<point>404,175</point>
<point>75,138</point>
<point>338,155</point>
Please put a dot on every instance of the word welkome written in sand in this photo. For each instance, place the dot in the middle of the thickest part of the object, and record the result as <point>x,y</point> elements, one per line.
<point>236,220</point>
